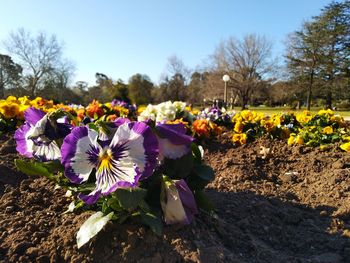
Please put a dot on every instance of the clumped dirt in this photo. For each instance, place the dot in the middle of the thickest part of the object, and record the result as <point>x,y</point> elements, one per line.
<point>289,204</point>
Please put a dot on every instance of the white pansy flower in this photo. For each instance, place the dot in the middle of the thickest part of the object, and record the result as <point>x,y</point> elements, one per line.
<point>179,106</point>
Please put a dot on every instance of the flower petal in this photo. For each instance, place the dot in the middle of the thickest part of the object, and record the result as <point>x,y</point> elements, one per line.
<point>172,207</point>
<point>33,115</point>
<point>170,150</point>
<point>173,141</point>
<point>179,206</point>
<point>175,133</point>
<point>141,148</point>
<point>112,128</point>
<point>187,200</point>
<point>91,198</point>
<point>80,154</point>
<point>24,146</point>
<point>47,152</point>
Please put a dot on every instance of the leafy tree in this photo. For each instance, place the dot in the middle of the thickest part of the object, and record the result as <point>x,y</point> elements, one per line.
<point>121,91</point>
<point>140,89</point>
<point>318,56</point>
<point>10,73</point>
<point>195,88</point>
<point>303,56</point>
<point>335,52</point>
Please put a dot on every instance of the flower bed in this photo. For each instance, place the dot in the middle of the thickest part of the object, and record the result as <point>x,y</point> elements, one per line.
<point>149,170</point>
<point>105,167</point>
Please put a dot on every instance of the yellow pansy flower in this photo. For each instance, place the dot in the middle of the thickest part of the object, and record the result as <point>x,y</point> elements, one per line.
<point>9,110</point>
<point>11,99</point>
<point>238,127</point>
<point>327,130</point>
<point>140,109</point>
<point>345,146</point>
<point>328,112</point>
<point>299,139</point>
<point>291,139</point>
<point>239,138</point>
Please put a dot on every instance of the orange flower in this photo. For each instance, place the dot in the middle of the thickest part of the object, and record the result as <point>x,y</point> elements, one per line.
<point>201,127</point>
<point>111,117</point>
<point>80,114</point>
<point>120,111</point>
<point>94,109</point>
<point>178,121</point>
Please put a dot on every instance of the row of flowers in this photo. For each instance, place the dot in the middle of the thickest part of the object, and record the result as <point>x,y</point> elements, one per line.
<point>301,128</point>
<point>322,129</point>
<point>200,123</point>
<point>12,110</point>
<point>123,169</point>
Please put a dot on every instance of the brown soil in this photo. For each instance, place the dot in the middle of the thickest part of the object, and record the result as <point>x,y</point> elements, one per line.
<point>291,206</point>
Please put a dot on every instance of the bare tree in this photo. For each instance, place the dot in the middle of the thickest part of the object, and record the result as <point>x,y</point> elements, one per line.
<point>175,79</point>
<point>39,55</point>
<point>248,63</point>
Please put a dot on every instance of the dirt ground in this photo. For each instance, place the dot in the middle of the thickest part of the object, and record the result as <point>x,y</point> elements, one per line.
<point>290,205</point>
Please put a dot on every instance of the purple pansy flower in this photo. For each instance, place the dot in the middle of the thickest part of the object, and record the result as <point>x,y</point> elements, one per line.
<point>173,141</point>
<point>129,157</point>
<point>36,137</point>
<point>178,203</point>
<point>107,133</point>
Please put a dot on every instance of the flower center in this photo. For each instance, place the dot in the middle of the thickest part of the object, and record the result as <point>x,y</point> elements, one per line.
<point>105,159</point>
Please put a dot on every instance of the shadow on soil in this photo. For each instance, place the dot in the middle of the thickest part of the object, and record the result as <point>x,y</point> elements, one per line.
<point>259,229</point>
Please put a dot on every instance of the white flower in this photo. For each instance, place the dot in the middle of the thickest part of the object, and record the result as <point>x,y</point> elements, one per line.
<point>165,111</point>
<point>149,113</point>
<point>179,106</point>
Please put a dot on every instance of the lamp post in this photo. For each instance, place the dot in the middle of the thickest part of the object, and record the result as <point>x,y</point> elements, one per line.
<point>225,78</point>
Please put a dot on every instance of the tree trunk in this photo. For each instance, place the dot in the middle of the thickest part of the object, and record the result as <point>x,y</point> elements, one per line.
<point>2,91</point>
<point>33,88</point>
<point>329,100</point>
<point>309,92</point>
<point>244,102</point>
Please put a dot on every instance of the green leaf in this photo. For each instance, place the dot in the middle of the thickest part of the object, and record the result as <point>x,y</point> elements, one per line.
<point>87,187</point>
<point>203,201</point>
<point>34,168</point>
<point>144,206</point>
<point>122,218</point>
<point>54,166</point>
<point>93,126</point>
<point>195,182</point>
<point>196,153</point>
<point>130,198</point>
<point>154,222</point>
<point>335,137</point>
<point>205,172</point>
<point>114,204</point>
<point>179,168</point>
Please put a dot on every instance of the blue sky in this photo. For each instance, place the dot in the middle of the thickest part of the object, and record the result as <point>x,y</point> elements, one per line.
<point>121,38</point>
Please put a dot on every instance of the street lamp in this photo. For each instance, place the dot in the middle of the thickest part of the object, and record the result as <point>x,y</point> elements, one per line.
<point>225,78</point>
